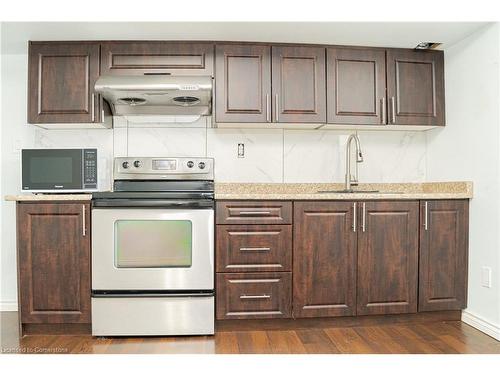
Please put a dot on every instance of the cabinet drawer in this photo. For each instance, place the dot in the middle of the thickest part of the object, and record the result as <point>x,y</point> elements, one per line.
<point>253,295</point>
<point>248,212</point>
<point>254,248</point>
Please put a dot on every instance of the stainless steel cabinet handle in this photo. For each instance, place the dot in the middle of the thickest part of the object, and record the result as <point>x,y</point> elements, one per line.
<point>276,107</point>
<point>393,110</point>
<point>255,212</point>
<point>92,104</point>
<point>426,214</point>
<point>84,219</point>
<point>363,222</point>
<point>384,111</point>
<point>354,217</point>
<point>268,108</point>
<point>257,296</point>
<point>255,249</point>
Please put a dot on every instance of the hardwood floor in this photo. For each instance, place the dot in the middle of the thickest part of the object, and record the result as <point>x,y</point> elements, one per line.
<point>436,337</point>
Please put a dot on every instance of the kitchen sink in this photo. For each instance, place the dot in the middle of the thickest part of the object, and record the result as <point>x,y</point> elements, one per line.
<point>343,191</point>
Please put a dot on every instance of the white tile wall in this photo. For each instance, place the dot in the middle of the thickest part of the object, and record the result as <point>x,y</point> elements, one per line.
<point>271,155</point>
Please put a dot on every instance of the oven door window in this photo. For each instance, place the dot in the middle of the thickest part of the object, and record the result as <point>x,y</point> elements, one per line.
<point>153,243</point>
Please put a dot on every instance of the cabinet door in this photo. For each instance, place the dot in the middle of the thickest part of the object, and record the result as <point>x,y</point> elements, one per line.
<point>139,58</point>
<point>415,87</point>
<point>387,258</point>
<point>243,83</point>
<point>443,255</point>
<point>61,82</point>
<point>54,262</point>
<point>356,86</point>
<point>299,84</point>
<point>324,259</point>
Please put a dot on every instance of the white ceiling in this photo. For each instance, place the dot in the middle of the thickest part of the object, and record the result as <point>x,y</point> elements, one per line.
<point>385,34</point>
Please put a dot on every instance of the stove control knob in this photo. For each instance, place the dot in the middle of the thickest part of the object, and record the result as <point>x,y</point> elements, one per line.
<point>125,165</point>
<point>201,165</point>
<point>190,164</point>
<point>137,164</point>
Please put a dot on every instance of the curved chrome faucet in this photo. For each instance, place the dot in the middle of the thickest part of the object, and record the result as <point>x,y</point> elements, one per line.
<point>349,179</point>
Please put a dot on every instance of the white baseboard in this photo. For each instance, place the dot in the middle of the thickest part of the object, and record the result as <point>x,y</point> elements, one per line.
<point>481,324</point>
<point>8,306</point>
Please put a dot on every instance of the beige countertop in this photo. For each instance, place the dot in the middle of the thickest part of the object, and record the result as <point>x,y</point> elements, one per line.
<point>48,197</point>
<point>305,191</point>
<point>308,191</point>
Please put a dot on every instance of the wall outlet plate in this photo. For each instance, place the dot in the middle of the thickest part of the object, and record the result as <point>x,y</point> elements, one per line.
<point>486,277</point>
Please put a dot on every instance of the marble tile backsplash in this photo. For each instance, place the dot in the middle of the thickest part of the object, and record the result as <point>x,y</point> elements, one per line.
<point>271,155</point>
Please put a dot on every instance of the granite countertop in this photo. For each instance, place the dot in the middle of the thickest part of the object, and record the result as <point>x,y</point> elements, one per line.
<point>305,191</point>
<point>308,191</point>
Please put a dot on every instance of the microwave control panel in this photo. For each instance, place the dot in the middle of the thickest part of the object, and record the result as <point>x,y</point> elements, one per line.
<point>90,168</point>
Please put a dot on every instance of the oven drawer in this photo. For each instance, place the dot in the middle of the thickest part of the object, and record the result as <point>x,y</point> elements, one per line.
<point>250,212</point>
<point>152,315</point>
<point>254,295</point>
<point>242,248</point>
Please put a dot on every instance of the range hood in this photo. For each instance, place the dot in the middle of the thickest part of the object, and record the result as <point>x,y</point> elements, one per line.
<point>156,94</point>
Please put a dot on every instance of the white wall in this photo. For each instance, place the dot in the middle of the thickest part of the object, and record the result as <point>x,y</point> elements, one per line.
<point>468,149</point>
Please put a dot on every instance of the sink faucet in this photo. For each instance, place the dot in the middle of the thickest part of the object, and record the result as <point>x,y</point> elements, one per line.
<point>349,179</point>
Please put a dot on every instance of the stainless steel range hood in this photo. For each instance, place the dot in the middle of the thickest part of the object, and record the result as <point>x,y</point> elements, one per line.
<point>156,94</point>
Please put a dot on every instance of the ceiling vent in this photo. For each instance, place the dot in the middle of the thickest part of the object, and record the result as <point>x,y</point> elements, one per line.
<point>428,45</point>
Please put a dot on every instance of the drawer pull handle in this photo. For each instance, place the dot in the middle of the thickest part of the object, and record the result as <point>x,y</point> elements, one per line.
<point>255,249</point>
<point>255,212</point>
<point>259,296</point>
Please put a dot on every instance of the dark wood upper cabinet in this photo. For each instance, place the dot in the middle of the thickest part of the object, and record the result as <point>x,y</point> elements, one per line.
<point>356,86</point>
<point>54,262</point>
<point>243,83</point>
<point>443,255</point>
<point>138,58</point>
<point>61,83</point>
<point>387,257</point>
<point>415,87</point>
<point>299,84</point>
<point>324,259</point>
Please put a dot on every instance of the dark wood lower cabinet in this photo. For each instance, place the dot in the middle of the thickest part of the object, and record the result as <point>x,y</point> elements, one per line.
<point>54,262</point>
<point>443,255</point>
<point>324,259</point>
<point>387,258</point>
<point>253,295</point>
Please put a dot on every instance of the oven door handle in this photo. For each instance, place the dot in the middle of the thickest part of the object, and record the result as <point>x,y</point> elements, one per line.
<point>160,203</point>
<point>149,295</point>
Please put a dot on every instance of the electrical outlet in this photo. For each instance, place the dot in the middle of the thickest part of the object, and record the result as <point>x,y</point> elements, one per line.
<point>486,277</point>
<point>241,150</point>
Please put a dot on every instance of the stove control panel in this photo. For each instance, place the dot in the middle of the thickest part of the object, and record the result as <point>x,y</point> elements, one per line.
<point>151,168</point>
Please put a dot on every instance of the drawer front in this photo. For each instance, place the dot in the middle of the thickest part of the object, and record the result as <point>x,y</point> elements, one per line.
<point>253,295</point>
<point>249,212</point>
<point>254,248</point>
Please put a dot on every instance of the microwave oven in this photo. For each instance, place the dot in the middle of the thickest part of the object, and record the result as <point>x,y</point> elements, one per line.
<point>59,170</point>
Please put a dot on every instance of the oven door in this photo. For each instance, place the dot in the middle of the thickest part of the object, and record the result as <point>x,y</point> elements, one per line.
<point>155,249</point>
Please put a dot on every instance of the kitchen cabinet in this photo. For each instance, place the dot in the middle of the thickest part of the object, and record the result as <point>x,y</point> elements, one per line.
<point>253,295</point>
<point>299,84</point>
<point>415,87</point>
<point>356,86</point>
<point>61,78</point>
<point>243,83</point>
<point>324,259</point>
<point>443,255</point>
<point>157,57</point>
<point>53,264</point>
<point>253,247</point>
<point>387,257</point>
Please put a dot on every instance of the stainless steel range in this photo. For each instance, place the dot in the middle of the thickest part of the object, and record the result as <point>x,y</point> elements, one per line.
<point>153,249</point>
